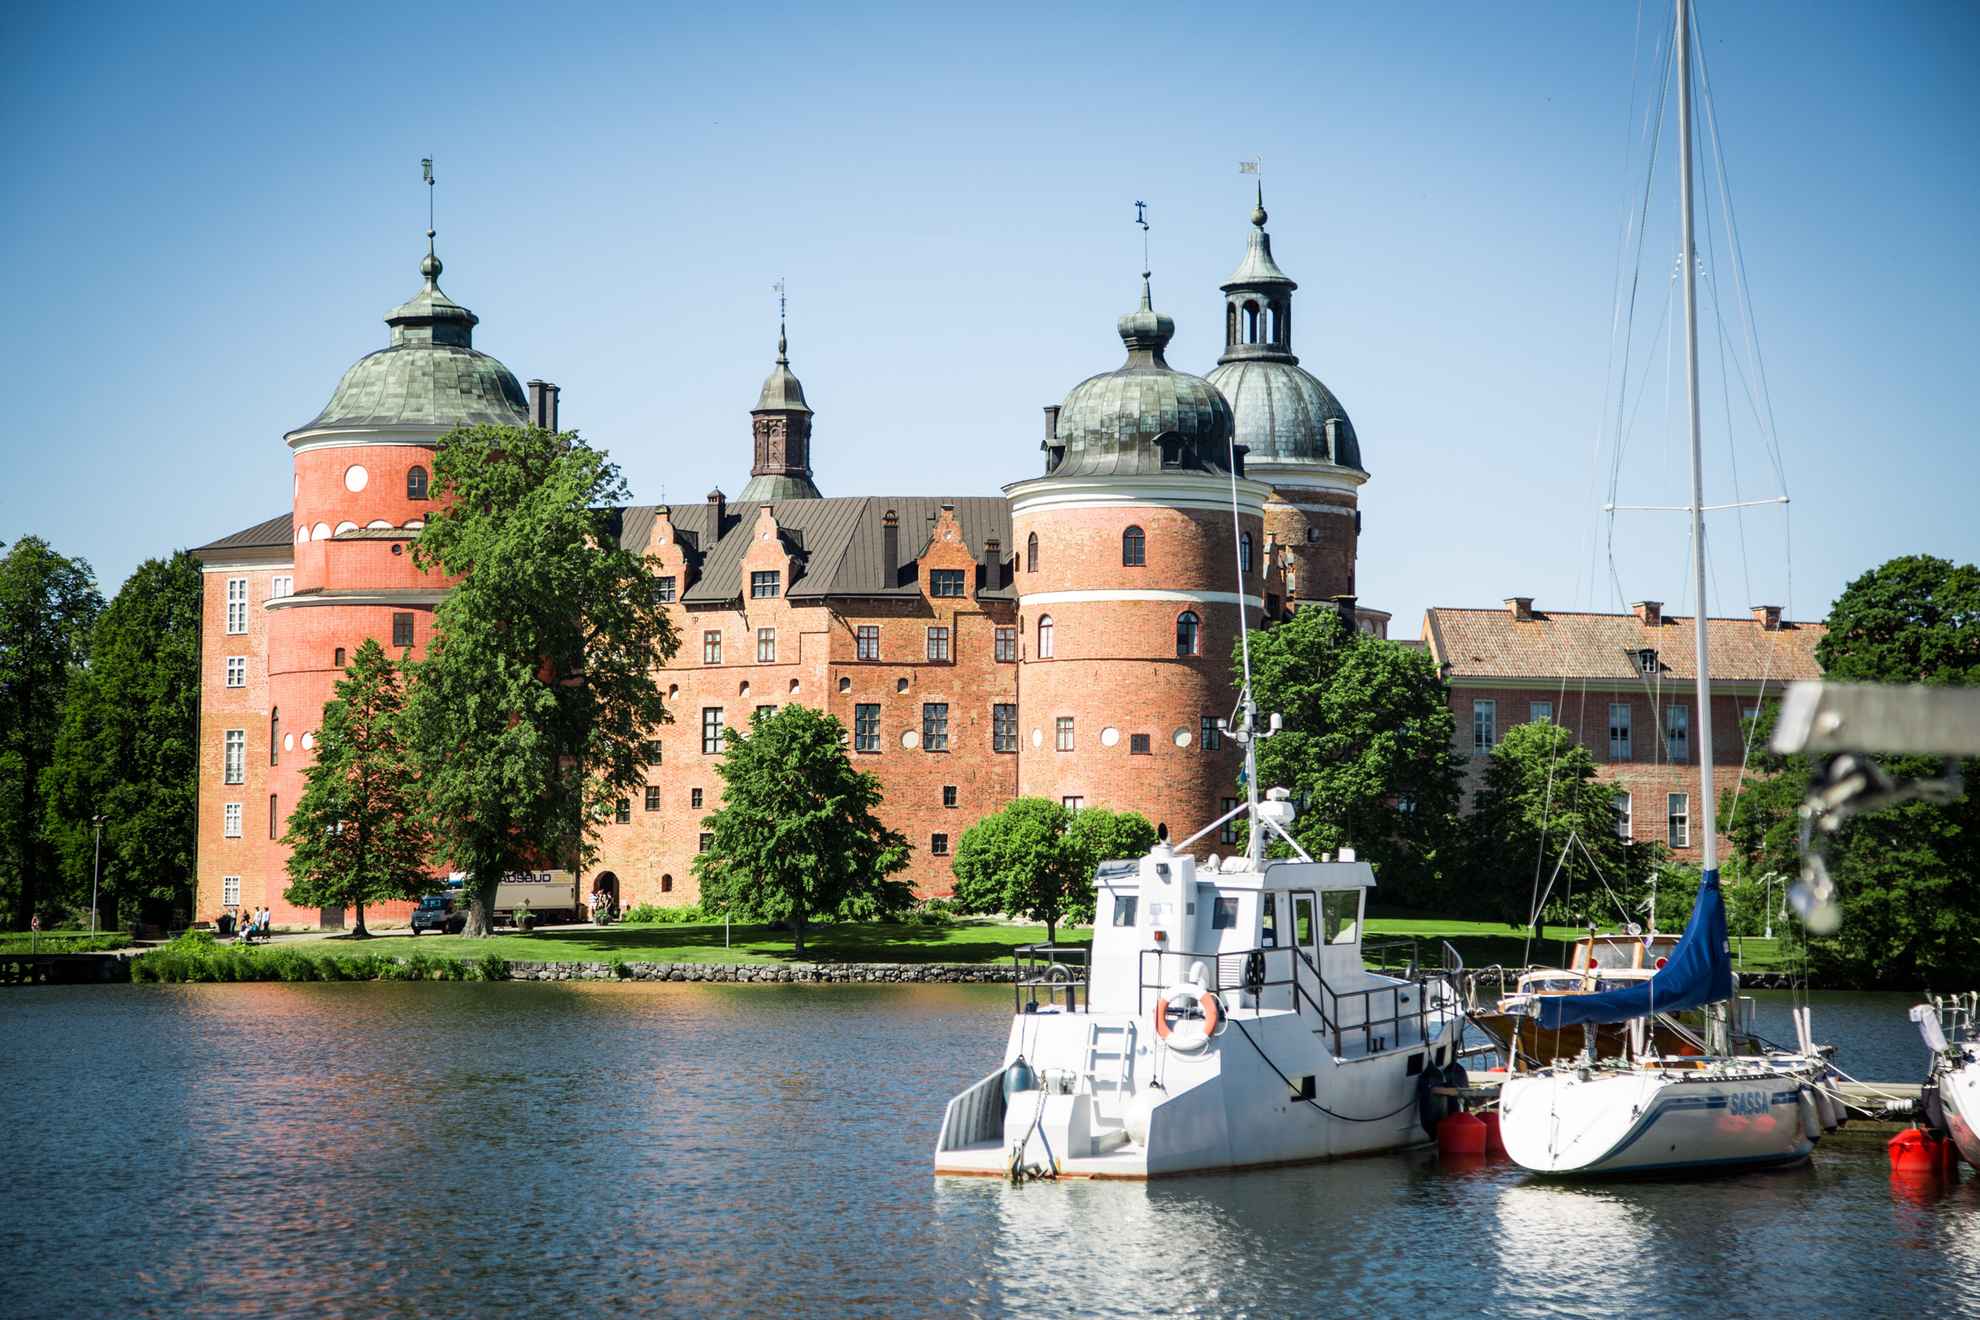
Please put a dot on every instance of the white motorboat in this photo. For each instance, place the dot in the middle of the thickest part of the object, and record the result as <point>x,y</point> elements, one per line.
<point>1660,1113</point>
<point>1225,1022</point>
<point>1951,1028</point>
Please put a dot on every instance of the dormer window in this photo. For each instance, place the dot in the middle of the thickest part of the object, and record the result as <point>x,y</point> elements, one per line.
<point>1646,660</point>
<point>765,585</point>
<point>945,582</point>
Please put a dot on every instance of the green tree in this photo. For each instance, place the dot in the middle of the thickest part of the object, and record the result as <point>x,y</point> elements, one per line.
<point>1540,790</point>
<point>357,834</point>
<point>1366,748</point>
<point>128,750</point>
<point>1036,859</point>
<point>529,716</point>
<point>48,604</point>
<point>1904,875</point>
<point>797,838</point>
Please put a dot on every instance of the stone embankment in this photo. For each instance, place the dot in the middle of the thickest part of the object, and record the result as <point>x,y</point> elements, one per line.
<point>769,974</point>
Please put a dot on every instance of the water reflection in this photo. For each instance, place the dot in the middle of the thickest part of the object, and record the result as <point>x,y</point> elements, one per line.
<point>702,1148</point>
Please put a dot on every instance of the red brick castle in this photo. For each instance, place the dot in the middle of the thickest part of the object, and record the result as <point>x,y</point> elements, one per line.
<point>1068,638</point>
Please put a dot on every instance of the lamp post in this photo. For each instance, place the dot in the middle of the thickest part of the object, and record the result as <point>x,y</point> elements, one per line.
<point>96,874</point>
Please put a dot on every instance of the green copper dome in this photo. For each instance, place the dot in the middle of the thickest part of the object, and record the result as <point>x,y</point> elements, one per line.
<point>429,377</point>
<point>1144,416</point>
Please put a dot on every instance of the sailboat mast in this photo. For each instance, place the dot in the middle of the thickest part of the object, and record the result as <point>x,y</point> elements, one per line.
<point>1707,813</point>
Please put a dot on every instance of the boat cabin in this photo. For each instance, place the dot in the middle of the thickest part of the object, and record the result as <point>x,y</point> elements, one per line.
<point>1167,920</point>
<point>1611,952</point>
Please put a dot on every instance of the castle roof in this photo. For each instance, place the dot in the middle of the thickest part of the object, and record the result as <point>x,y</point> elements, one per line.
<point>1607,648</point>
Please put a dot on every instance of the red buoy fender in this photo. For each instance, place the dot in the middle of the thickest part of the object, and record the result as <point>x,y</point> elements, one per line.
<point>1206,1001</point>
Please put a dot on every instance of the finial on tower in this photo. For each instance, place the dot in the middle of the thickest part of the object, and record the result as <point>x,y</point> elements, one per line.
<point>783,352</point>
<point>430,267</point>
<point>1254,167</point>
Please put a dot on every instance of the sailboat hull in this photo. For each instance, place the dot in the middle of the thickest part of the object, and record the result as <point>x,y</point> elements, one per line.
<point>1563,1121</point>
<point>1959,1092</point>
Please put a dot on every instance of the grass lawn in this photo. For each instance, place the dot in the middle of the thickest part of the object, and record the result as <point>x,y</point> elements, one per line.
<point>63,941</point>
<point>1483,943</point>
<point>967,942</point>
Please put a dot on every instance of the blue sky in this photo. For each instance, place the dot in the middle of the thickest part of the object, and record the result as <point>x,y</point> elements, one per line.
<point>211,209</point>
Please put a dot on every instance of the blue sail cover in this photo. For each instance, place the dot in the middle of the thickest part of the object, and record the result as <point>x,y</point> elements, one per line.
<point>1698,971</point>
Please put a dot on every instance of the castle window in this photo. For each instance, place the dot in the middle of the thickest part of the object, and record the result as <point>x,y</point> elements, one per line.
<point>1003,727</point>
<point>1251,323</point>
<point>1007,643</point>
<point>866,727</point>
<point>230,891</point>
<point>1063,733</point>
<point>938,845</point>
<point>1134,548</point>
<point>337,657</point>
<point>938,644</point>
<point>1031,553</point>
<point>237,603</point>
<point>711,731</point>
<point>236,671</point>
<point>948,795</point>
<point>1044,637</point>
<point>1484,726</point>
<point>232,820</point>
<point>706,842</point>
<point>1139,744</point>
<point>1278,324</point>
<point>281,586</point>
<point>1680,821</point>
<point>234,759</point>
<point>764,585</point>
<point>1187,630</point>
<point>1076,802</point>
<point>666,884</point>
<point>766,646</point>
<point>1228,832</point>
<point>935,726</point>
<point>1210,734</point>
<point>416,483</point>
<point>402,630</point>
<point>274,818</point>
<point>663,590</point>
<point>1244,551</point>
<point>622,814</point>
<point>1619,749</point>
<point>867,642</point>
<point>945,582</point>
<point>694,798</point>
<point>1230,323</point>
<point>275,735</point>
<point>653,797</point>
<point>711,647</point>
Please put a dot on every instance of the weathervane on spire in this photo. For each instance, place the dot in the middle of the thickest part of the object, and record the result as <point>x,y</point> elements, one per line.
<point>1141,218</point>
<point>426,172</point>
<point>783,350</point>
<point>779,287</point>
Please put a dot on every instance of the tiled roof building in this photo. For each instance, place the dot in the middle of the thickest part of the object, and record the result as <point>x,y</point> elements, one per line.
<point>1623,684</point>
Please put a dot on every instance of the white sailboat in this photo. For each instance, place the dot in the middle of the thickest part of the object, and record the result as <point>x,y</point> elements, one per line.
<point>1950,1026</point>
<point>1655,1114</point>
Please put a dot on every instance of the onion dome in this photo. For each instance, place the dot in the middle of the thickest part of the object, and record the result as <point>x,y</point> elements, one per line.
<point>430,377</point>
<point>782,391</point>
<point>1282,413</point>
<point>780,426</point>
<point>1144,416</point>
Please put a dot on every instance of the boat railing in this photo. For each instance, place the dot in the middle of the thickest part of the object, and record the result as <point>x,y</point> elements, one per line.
<point>1376,1015</point>
<point>1060,971</point>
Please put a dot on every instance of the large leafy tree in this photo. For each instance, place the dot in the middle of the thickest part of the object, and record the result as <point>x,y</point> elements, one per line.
<point>529,715</point>
<point>1036,858</point>
<point>128,748</point>
<point>1366,748</point>
<point>1539,792</point>
<point>798,836</point>
<point>1910,907</point>
<point>48,604</point>
<point>357,834</point>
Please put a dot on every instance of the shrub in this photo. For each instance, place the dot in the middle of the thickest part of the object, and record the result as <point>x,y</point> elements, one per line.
<point>935,912</point>
<point>649,914</point>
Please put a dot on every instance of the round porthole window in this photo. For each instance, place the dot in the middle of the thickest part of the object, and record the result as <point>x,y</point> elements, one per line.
<point>309,741</point>
<point>1181,737</point>
<point>909,739</point>
<point>356,478</point>
<point>1109,736</point>
<point>288,742</point>
<point>1038,737</point>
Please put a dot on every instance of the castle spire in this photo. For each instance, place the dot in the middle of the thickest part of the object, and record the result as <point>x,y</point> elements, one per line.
<point>780,426</point>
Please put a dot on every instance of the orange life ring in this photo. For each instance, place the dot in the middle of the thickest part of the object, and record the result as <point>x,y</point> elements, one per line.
<point>1206,1001</point>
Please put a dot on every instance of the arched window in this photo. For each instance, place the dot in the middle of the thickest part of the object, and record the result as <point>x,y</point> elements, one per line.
<point>1186,633</point>
<point>416,483</point>
<point>1278,324</point>
<point>274,735</point>
<point>1134,548</point>
<point>1251,323</point>
<point>1230,323</point>
<point>1244,552</point>
<point>1031,553</point>
<point>1044,637</point>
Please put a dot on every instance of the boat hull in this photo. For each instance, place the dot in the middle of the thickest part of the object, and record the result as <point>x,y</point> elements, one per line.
<point>1567,1122</point>
<point>1959,1092</point>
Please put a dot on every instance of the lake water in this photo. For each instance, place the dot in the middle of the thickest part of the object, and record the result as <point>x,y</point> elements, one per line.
<point>459,1149</point>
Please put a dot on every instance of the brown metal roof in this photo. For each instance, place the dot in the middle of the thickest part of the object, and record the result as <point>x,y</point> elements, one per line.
<point>1490,643</point>
<point>273,533</point>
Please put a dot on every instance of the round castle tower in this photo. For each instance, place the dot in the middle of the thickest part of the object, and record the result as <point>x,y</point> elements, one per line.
<point>1300,441</point>
<point>363,481</point>
<point>1128,590</point>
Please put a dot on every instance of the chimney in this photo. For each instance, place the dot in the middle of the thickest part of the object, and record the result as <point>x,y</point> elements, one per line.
<point>1345,604</point>
<point>1238,452</point>
<point>1650,613</point>
<point>993,563</point>
<point>1051,424</point>
<point>1768,617</point>
<point>718,505</point>
<point>890,548</point>
<point>1521,608</point>
<point>543,404</point>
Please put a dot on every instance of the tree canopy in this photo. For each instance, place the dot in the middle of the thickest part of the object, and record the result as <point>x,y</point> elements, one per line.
<point>128,750</point>
<point>1366,749</point>
<point>529,715</point>
<point>357,835</point>
<point>1540,790</point>
<point>48,605</point>
<point>798,837</point>
<point>1036,859</point>
<point>1905,874</point>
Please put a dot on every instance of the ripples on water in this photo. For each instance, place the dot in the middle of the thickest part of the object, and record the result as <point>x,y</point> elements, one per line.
<point>536,1149</point>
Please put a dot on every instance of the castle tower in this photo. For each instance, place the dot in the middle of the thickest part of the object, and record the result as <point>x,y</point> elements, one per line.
<point>1128,590</point>
<point>363,489</point>
<point>1299,438</point>
<point>781,426</point>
